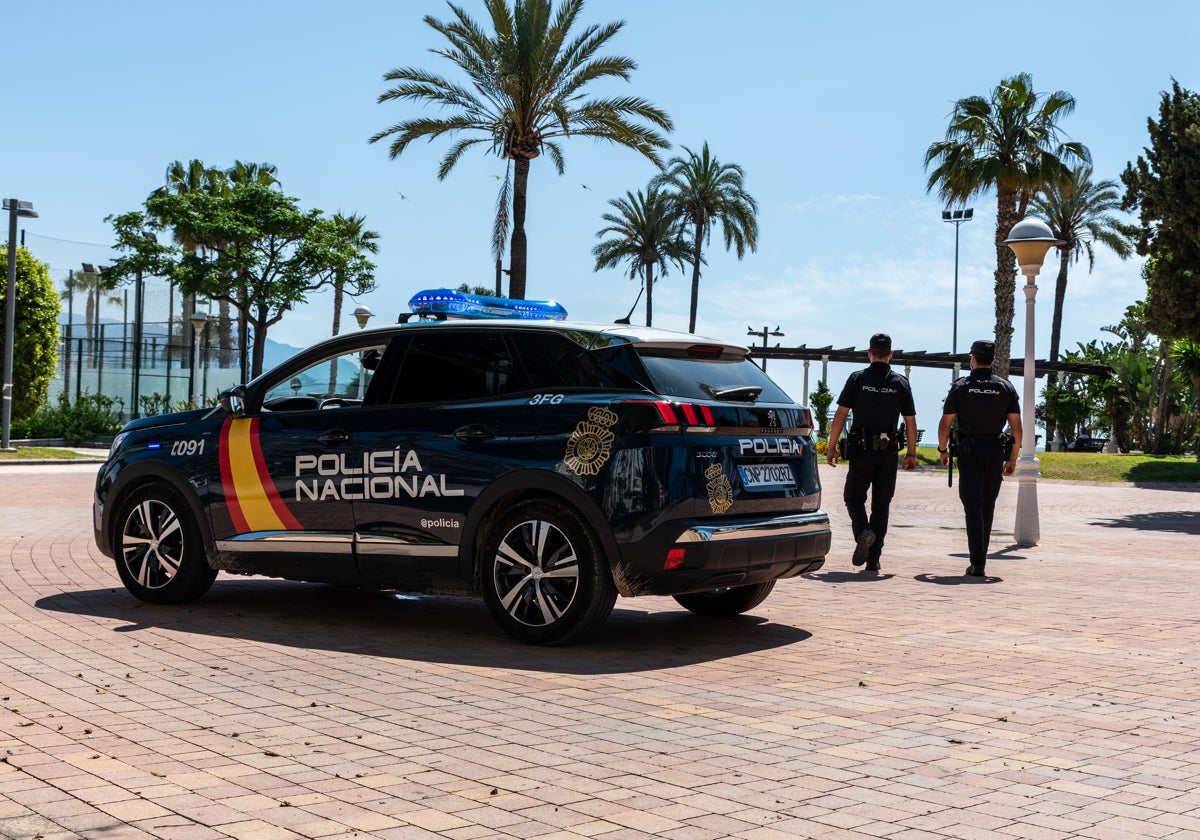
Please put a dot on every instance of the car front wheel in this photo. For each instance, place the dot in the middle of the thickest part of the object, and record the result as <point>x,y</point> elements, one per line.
<point>544,576</point>
<point>159,556</point>
<point>722,603</point>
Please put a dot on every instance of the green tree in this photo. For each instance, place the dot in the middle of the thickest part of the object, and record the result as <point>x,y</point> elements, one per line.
<point>1011,142</point>
<point>35,333</point>
<point>705,191</point>
<point>820,400</point>
<point>1164,185</point>
<point>526,81</point>
<point>255,249</point>
<point>646,234</point>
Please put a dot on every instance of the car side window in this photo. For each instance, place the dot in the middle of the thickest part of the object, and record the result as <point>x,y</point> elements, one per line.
<point>455,365</point>
<point>552,361</point>
<point>336,381</point>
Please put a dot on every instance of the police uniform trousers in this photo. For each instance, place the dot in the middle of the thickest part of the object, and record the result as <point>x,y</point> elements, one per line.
<point>876,470</point>
<point>980,474</point>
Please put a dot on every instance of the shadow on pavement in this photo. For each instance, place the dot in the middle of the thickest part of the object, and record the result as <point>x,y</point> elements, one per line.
<point>440,629</point>
<point>957,580</point>
<point>1177,521</point>
<point>850,577</point>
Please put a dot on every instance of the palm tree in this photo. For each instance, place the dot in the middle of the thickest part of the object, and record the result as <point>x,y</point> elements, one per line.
<point>525,89</point>
<point>647,235</point>
<point>1010,142</point>
<point>354,236</point>
<point>1078,211</point>
<point>705,191</point>
<point>242,174</point>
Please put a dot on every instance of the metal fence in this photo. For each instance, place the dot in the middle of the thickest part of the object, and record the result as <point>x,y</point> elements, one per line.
<point>151,357</point>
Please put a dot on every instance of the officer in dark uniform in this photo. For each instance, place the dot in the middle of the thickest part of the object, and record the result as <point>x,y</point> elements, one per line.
<point>878,397</point>
<point>982,403</point>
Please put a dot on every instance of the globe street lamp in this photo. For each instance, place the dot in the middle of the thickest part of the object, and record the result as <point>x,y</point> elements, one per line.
<point>24,209</point>
<point>1029,239</point>
<point>764,332</point>
<point>956,218</point>
<point>199,320</point>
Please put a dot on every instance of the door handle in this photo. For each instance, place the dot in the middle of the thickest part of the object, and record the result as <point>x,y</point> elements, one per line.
<point>474,431</point>
<point>334,436</point>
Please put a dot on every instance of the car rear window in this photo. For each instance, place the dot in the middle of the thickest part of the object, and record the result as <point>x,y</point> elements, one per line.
<point>675,374</point>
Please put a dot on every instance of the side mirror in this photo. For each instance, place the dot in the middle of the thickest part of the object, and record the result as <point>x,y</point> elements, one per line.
<point>233,400</point>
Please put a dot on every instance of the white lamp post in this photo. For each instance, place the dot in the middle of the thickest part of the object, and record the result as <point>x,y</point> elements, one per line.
<point>198,319</point>
<point>25,209</point>
<point>362,314</point>
<point>1029,239</point>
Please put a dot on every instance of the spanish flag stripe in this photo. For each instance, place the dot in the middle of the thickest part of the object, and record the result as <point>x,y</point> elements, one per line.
<point>282,514</point>
<point>240,525</point>
<point>247,484</point>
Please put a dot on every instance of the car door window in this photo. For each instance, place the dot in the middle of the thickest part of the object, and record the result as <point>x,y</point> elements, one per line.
<point>340,380</point>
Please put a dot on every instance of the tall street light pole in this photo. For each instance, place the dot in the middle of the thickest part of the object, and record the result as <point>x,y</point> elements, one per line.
<point>23,209</point>
<point>764,332</point>
<point>1029,239</point>
<point>362,314</point>
<point>956,218</point>
<point>199,320</point>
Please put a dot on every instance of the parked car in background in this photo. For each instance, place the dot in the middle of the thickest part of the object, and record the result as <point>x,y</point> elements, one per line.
<point>543,465</point>
<point>1084,442</point>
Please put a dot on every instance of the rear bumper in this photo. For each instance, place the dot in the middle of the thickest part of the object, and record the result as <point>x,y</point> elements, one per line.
<point>737,552</point>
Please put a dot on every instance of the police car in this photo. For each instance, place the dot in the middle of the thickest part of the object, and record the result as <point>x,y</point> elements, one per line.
<point>543,465</point>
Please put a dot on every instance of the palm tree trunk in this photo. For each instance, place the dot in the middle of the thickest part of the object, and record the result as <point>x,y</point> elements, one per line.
<point>695,277</point>
<point>1006,279</point>
<point>338,291</point>
<point>649,293</point>
<point>518,249</point>
<point>1060,294</point>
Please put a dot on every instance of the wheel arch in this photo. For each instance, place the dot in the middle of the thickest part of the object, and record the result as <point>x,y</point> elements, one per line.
<point>515,487</point>
<point>137,475</point>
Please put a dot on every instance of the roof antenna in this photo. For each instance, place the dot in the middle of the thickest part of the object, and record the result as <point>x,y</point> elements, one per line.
<point>625,320</point>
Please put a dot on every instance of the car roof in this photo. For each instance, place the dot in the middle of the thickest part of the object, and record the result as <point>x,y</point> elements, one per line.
<point>650,336</point>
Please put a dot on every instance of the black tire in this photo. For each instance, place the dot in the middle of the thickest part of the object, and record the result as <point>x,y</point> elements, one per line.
<point>722,603</point>
<point>544,576</point>
<point>159,553</point>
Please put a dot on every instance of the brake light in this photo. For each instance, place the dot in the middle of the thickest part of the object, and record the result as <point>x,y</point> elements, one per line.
<point>707,351</point>
<point>681,417</point>
<point>674,559</point>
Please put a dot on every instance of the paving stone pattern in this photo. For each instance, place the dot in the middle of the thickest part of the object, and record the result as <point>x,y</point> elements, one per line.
<point>1058,699</point>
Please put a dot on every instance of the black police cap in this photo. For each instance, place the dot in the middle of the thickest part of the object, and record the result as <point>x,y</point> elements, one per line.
<point>984,351</point>
<point>881,343</point>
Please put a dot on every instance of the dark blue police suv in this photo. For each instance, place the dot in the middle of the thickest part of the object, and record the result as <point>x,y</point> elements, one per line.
<point>545,466</point>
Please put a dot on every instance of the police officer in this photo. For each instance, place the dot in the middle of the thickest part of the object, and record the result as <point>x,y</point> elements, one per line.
<point>878,397</point>
<point>982,403</point>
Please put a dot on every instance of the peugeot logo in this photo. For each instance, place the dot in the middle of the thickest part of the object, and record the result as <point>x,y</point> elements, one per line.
<point>772,419</point>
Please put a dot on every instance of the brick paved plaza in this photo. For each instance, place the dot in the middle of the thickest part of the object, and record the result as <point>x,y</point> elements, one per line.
<point>1059,699</point>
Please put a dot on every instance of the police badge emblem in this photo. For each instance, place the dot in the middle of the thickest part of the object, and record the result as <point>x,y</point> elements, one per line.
<point>590,445</point>
<point>720,491</point>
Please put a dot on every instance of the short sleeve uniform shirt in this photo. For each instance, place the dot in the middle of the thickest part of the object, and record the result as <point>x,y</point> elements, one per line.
<point>878,396</point>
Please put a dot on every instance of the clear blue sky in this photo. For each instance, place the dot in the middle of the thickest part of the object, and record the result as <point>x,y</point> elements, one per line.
<point>828,108</point>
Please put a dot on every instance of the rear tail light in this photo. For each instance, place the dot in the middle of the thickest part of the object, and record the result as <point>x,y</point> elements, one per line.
<point>675,557</point>
<point>680,417</point>
<point>806,418</point>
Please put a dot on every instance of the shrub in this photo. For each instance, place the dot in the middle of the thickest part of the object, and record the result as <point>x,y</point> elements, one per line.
<point>91,416</point>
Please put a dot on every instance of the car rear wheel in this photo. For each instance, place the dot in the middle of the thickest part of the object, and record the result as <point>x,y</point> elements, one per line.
<point>159,554</point>
<point>544,576</point>
<point>722,603</point>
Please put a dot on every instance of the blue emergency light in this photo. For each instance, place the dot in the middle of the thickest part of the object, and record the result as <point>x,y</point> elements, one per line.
<point>450,303</point>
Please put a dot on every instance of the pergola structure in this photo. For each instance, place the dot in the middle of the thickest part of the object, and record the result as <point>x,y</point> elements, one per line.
<point>921,358</point>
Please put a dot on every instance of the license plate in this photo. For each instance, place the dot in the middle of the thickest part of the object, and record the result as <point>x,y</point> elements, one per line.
<point>767,476</point>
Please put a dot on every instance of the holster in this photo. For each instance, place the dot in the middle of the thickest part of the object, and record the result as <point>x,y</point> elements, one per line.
<point>1007,442</point>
